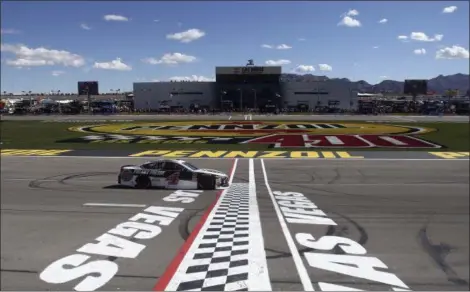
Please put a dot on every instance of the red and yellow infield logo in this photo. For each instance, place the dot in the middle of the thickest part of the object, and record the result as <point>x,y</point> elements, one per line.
<point>248,129</point>
<point>274,134</point>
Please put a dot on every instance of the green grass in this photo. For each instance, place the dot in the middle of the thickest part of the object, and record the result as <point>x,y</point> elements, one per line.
<point>44,135</point>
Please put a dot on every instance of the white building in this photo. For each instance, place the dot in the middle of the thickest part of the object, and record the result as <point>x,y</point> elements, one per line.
<point>155,95</point>
<point>238,85</point>
<point>318,93</point>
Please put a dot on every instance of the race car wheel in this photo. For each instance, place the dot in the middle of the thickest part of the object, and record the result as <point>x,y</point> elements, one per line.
<point>206,182</point>
<point>142,182</point>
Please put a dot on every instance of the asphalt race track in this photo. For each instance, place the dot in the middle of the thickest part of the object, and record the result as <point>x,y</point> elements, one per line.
<point>405,224</point>
<point>383,118</point>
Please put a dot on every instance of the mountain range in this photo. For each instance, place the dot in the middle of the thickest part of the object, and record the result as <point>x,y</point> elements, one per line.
<point>439,84</point>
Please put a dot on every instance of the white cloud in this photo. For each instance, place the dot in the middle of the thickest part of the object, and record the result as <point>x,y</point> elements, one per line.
<point>449,9</point>
<point>156,20</point>
<point>9,31</point>
<point>283,47</point>
<point>422,37</point>
<point>171,59</point>
<point>325,67</point>
<point>375,47</point>
<point>278,47</point>
<point>41,56</point>
<point>383,77</point>
<point>277,62</point>
<point>116,64</point>
<point>28,63</point>
<point>193,78</point>
<point>301,39</point>
<point>349,22</point>
<point>419,52</point>
<point>187,36</point>
<point>114,17</point>
<point>85,26</point>
<point>383,20</point>
<point>454,52</point>
<point>57,73</point>
<point>351,12</point>
<point>304,69</point>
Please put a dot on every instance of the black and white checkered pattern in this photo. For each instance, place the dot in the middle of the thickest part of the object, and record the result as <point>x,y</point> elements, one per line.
<point>221,259</point>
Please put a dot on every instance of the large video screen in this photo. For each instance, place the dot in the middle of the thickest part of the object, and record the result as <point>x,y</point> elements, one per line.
<point>85,86</point>
<point>415,87</point>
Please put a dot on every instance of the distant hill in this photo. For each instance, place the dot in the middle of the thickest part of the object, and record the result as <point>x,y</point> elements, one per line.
<point>438,84</point>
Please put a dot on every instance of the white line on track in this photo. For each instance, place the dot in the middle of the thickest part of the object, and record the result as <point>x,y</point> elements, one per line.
<point>232,174</point>
<point>56,180</point>
<point>446,184</point>
<point>301,270</point>
<point>242,158</point>
<point>114,205</point>
<point>258,263</point>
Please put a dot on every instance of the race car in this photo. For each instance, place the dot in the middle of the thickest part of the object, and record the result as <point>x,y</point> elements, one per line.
<point>171,174</point>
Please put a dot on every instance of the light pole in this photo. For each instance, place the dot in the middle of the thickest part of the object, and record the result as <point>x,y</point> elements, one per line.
<point>317,90</point>
<point>88,97</point>
<point>222,94</point>
<point>279,105</point>
<point>352,92</point>
<point>256,103</point>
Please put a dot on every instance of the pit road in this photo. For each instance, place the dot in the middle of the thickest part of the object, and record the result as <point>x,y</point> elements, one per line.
<point>411,217</point>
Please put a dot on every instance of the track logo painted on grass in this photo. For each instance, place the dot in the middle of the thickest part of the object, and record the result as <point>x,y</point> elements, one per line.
<point>273,134</point>
<point>247,129</point>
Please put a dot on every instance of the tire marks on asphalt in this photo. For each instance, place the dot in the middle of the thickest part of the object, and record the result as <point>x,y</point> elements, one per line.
<point>438,253</point>
<point>330,253</point>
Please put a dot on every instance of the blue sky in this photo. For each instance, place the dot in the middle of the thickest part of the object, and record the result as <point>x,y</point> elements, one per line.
<point>52,45</point>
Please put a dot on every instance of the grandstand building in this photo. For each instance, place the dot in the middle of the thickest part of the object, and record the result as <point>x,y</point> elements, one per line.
<point>240,88</point>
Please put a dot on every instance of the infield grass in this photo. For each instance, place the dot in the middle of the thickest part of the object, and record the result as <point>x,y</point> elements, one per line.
<point>44,135</point>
